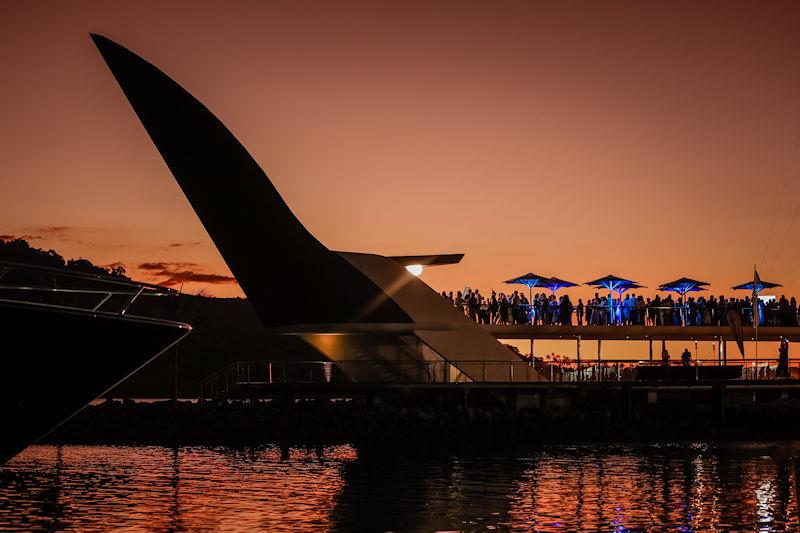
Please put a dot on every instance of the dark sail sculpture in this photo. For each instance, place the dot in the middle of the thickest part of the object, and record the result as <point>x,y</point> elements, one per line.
<point>266,247</point>
<point>346,305</point>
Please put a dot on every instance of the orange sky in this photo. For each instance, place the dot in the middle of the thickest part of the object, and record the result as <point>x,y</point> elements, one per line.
<point>570,140</point>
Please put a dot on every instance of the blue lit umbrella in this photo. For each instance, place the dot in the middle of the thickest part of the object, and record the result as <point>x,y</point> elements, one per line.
<point>555,283</point>
<point>613,284</point>
<point>683,286</point>
<point>761,286</point>
<point>530,280</point>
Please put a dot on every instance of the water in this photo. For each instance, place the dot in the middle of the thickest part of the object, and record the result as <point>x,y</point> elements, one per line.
<point>591,488</point>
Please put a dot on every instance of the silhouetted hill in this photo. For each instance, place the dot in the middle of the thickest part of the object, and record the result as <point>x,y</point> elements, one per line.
<point>20,251</point>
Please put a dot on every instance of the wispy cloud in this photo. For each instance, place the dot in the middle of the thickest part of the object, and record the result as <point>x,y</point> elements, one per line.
<point>185,244</point>
<point>166,265</point>
<point>23,236</point>
<point>51,232</point>
<point>175,273</point>
<point>197,277</point>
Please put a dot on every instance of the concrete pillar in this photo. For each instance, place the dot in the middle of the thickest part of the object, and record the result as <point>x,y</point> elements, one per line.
<point>724,351</point>
<point>579,359</point>
<point>599,357</point>
<point>650,339</point>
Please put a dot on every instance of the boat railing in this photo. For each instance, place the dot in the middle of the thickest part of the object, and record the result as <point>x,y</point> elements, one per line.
<point>72,290</point>
<point>242,375</point>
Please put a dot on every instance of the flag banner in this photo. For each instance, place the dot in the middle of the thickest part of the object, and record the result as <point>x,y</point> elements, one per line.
<point>735,322</point>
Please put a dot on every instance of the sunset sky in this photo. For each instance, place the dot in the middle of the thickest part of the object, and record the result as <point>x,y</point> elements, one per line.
<point>568,139</point>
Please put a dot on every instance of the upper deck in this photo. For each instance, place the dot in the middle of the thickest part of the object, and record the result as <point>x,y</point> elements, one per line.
<point>644,333</point>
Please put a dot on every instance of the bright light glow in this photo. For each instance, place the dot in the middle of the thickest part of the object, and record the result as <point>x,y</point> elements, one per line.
<point>414,269</point>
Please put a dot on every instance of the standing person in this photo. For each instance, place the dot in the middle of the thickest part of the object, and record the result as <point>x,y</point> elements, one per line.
<point>686,357</point>
<point>524,310</point>
<point>459,302</point>
<point>544,303</point>
<point>793,312</point>
<point>473,305</point>
<point>625,306</point>
<point>502,306</point>
<point>579,312</point>
<point>605,316</point>
<point>515,308</point>
<point>641,309</point>
<point>783,360</point>
<point>722,310</point>
<point>669,304</point>
<point>565,311</point>
<point>553,305</point>
<point>783,311</point>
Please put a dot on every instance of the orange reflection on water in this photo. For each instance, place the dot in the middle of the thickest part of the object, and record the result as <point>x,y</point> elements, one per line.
<point>611,487</point>
<point>666,486</point>
<point>186,489</point>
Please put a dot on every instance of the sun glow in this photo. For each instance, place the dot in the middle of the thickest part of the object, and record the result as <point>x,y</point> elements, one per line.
<point>414,269</point>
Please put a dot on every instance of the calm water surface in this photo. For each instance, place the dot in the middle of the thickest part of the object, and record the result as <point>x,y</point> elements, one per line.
<point>593,488</point>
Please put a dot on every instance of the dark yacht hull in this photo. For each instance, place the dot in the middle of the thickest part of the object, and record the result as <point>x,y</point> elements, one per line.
<point>55,362</point>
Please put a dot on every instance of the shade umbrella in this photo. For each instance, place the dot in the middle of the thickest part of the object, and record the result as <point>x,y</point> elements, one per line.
<point>530,280</point>
<point>613,284</point>
<point>555,283</point>
<point>756,287</point>
<point>683,286</point>
<point>761,285</point>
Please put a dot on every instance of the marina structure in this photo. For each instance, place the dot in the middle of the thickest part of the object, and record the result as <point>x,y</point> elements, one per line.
<point>373,320</point>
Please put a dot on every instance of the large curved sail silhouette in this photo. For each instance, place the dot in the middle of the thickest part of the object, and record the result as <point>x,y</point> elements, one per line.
<point>379,313</point>
<point>288,275</point>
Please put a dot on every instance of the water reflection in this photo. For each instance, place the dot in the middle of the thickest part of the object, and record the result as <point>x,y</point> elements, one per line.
<point>607,488</point>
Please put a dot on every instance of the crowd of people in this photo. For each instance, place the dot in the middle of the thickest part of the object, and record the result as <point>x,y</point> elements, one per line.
<point>631,309</point>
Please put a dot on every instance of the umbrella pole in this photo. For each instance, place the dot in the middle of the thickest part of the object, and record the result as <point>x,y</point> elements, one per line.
<point>683,307</point>
<point>530,303</point>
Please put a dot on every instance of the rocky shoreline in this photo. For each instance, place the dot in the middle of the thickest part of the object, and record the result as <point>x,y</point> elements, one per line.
<point>424,430</point>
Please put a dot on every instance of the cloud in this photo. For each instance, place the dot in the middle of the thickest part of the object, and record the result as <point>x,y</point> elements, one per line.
<point>24,237</point>
<point>181,272</point>
<point>196,277</point>
<point>61,233</point>
<point>53,232</point>
<point>166,265</point>
<point>184,244</point>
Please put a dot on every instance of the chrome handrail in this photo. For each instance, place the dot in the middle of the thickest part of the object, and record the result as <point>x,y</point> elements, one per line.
<point>118,287</point>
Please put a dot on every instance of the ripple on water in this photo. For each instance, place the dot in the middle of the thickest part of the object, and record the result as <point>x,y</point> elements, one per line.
<point>679,487</point>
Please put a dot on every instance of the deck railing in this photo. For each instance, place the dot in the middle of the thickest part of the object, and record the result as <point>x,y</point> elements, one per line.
<point>249,374</point>
<point>71,290</point>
